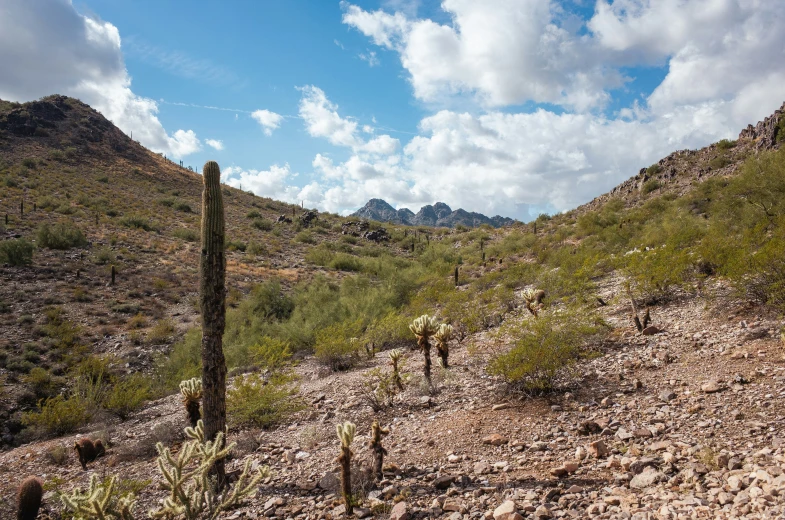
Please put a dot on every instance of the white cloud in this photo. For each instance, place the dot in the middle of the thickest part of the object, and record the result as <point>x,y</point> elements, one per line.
<point>215,143</point>
<point>322,119</point>
<point>56,50</point>
<point>370,57</point>
<point>269,120</point>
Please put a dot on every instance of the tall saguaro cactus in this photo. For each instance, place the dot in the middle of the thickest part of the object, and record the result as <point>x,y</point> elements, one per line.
<point>212,303</point>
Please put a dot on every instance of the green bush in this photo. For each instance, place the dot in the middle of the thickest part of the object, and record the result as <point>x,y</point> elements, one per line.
<point>127,395</point>
<point>16,252</point>
<point>544,349</point>
<point>305,237</point>
<point>252,401</point>
<point>726,144</point>
<point>189,235</point>
<point>43,383</point>
<point>57,416</point>
<point>183,206</point>
<point>182,362</point>
<point>137,222</point>
<point>271,353</point>
<point>262,224</point>
<point>338,345</point>
<point>63,235</point>
<point>253,214</point>
<point>651,185</point>
<point>654,169</point>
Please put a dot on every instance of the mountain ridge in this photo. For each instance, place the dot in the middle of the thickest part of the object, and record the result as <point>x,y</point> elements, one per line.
<point>437,215</point>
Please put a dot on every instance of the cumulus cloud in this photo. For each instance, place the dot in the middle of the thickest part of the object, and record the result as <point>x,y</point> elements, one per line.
<point>56,50</point>
<point>269,120</point>
<point>215,143</point>
<point>322,119</point>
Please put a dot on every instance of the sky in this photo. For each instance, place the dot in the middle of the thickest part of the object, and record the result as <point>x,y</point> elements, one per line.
<point>510,107</point>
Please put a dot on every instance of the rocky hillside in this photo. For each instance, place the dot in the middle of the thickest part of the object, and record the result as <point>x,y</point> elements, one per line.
<point>438,215</point>
<point>562,408</point>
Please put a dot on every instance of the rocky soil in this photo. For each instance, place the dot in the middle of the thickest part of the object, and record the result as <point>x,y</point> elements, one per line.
<point>685,423</point>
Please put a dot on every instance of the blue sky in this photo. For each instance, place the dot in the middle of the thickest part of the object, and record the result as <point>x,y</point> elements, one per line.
<point>508,107</point>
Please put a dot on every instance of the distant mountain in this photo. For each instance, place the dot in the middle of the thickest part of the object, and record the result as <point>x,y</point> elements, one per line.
<point>438,215</point>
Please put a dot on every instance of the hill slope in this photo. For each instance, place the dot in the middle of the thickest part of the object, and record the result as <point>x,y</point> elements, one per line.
<point>681,421</point>
<point>438,215</point>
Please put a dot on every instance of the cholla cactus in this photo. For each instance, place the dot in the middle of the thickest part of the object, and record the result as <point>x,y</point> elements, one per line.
<point>395,361</point>
<point>377,432</point>
<point>187,477</point>
<point>99,502</point>
<point>346,433</point>
<point>442,336</point>
<point>424,327</point>
<point>534,299</point>
<point>191,390</point>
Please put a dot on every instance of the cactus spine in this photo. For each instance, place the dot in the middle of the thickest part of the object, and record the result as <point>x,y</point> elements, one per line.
<point>377,432</point>
<point>424,327</point>
<point>346,433</point>
<point>28,498</point>
<point>442,336</point>
<point>191,391</point>
<point>212,295</point>
<point>99,502</point>
<point>395,359</point>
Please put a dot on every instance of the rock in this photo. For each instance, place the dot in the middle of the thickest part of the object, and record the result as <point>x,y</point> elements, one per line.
<point>589,428</point>
<point>640,465</point>
<point>452,505</point>
<point>500,406</point>
<point>651,330</point>
<point>495,440</point>
<point>711,387</point>
<point>543,512</point>
<point>481,468</point>
<point>506,511</point>
<point>647,479</point>
<point>580,453</point>
<point>559,472</point>
<point>643,433</point>
<point>400,511</point>
<point>330,482</point>
<point>667,395</point>
<point>362,512</point>
<point>598,450</point>
<point>571,466</point>
<point>443,482</point>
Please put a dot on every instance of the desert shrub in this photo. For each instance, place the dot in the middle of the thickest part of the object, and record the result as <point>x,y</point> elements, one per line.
<point>262,224</point>
<point>726,144</point>
<point>654,169</point>
<point>252,401</point>
<point>167,202</point>
<point>256,249</point>
<point>253,214</point>
<point>344,262</point>
<point>29,163</point>
<point>127,395</point>
<point>58,455</point>
<point>388,331</point>
<point>161,332</point>
<point>718,162</point>
<point>183,206</point>
<point>57,416</point>
<point>136,222</point>
<point>43,383</point>
<point>543,350</point>
<point>337,346</point>
<point>16,252</point>
<point>650,186</point>
<point>235,245</point>
<point>305,237</point>
<point>182,362</point>
<point>63,235</point>
<point>189,235</point>
<point>62,332</point>
<point>320,255</point>
<point>378,389</point>
<point>103,179</point>
<point>271,353</point>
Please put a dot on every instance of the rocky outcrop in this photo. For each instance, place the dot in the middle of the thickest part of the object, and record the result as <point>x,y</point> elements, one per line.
<point>437,215</point>
<point>767,133</point>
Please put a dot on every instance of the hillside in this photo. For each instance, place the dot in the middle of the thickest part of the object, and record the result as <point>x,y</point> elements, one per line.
<point>554,409</point>
<point>438,215</point>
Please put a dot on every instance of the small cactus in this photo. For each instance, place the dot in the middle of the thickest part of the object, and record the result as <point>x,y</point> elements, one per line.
<point>424,327</point>
<point>88,451</point>
<point>28,498</point>
<point>377,432</point>
<point>99,502</point>
<point>191,391</point>
<point>346,433</point>
<point>534,298</point>
<point>442,336</point>
<point>395,360</point>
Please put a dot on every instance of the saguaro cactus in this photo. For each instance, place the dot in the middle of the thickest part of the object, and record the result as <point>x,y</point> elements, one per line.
<point>212,303</point>
<point>191,391</point>
<point>346,433</point>
<point>377,432</point>
<point>442,336</point>
<point>424,327</point>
